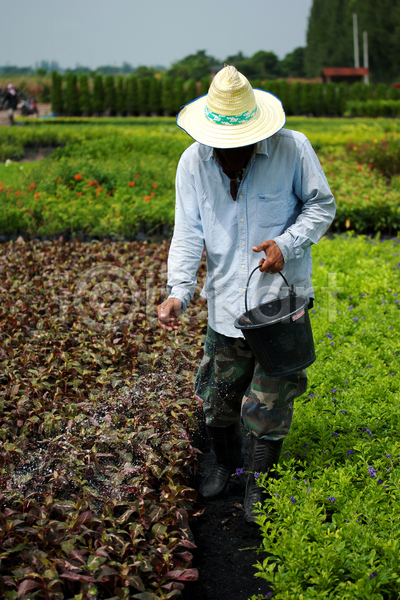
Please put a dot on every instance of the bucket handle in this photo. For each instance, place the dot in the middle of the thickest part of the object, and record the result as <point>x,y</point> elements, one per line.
<point>291,292</point>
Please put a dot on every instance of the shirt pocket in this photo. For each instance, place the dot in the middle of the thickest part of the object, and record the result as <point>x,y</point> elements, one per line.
<point>273,208</point>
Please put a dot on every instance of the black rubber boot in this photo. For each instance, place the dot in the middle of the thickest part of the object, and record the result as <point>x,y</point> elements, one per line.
<point>226,443</point>
<point>264,456</point>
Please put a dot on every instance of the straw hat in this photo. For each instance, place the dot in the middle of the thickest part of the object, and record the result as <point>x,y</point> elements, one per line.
<point>232,114</point>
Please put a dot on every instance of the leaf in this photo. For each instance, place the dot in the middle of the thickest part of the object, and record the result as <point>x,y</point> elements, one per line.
<point>27,586</point>
<point>136,582</point>
<point>187,544</point>
<point>77,577</point>
<point>183,574</point>
<point>145,596</point>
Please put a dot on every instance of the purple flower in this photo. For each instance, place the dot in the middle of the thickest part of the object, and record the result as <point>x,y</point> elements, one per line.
<point>369,432</point>
<point>388,455</point>
<point>354,319</point>
<point>257,475</point>
<point>286,454</point>
<point>373,574</point>
<point>380,482</point>
<point>268,595</point>
<point>239,472</point>
<point>331,498</point>
<point>334,390</point>
<point>346,521</point>
<point>293,499</point>
<point>350,452</point>
<point>342,411</point>
<point>372,472</point>
<point>346,381</point>
<point>329,336</point>
<point>336,434</point>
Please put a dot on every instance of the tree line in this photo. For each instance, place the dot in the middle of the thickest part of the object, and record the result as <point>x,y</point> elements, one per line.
<point>73,95</point>
<point>330,36</point>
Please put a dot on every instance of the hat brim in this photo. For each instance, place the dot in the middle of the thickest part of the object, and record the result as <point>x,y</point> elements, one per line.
<point>268,119</point>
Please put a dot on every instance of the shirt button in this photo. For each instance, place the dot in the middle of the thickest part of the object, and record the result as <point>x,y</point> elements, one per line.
<point>242,220</point>
<point>240,197</point>
<point>244,289</point>
<point>243,267</point>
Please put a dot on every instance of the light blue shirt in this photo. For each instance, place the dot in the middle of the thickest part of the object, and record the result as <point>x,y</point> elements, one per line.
<point>284,196</point>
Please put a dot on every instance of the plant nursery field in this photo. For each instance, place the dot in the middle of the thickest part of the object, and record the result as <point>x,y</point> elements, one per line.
<point>98,423</point>
<point>116,176</point>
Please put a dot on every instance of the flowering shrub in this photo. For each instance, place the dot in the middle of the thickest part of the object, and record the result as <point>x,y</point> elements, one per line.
<point>106,180</point>
<point>332,521</point>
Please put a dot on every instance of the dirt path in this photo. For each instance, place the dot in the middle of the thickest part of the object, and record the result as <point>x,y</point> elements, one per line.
<point>225,542</point>
<point>44,109</point>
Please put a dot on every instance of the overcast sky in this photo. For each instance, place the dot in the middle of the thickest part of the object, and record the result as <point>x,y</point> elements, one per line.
<point>146,32</point>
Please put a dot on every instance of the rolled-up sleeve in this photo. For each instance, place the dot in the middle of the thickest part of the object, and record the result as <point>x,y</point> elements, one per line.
<point>311,187</point>
<point>187,242</point>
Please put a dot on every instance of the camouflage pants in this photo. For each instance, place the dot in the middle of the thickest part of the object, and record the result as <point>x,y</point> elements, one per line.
<point>232,383</point>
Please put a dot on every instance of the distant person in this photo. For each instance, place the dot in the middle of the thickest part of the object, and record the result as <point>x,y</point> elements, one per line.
<point>11,102</point>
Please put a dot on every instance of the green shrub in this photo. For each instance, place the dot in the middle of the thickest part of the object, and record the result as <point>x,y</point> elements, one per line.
<point>132,107</point>
<point>190,90</point>
<point>109,95</point>
<point>374,108</point>
<point>167,96</point>
<point>72,95</point>
<point>56,93</point>
<point>85,103</point>
<point>144,95</point>
<point>98,94</point>
<point>120,101</point>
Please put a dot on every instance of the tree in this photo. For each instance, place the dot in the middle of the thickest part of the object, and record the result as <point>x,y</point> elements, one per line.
<point>155,96</point>
<point>144,95</point>
<point>72,96</point>
<point>204,85</point>
<point>56,93</point>
<point>262,65</point>
<point>120,103</point>
<point>109,95</point>
<point>98,94</point>
<point>330,36</point>
<point>179,94</point>
<point>197,65</point>
<point>167,96</point>
<point>190,90</point>
<point>85,101</point>
<point>293,63</point>
<point>132,95</point>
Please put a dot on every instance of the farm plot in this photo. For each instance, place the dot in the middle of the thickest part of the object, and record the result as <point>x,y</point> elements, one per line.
<point>98,419</point>
<point>105,179</point>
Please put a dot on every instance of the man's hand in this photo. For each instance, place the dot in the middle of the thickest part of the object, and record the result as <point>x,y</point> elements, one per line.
<point>168,313</point>
<point>273,263</point>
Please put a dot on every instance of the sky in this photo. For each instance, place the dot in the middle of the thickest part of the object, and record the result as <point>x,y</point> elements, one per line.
<point>146,32</point>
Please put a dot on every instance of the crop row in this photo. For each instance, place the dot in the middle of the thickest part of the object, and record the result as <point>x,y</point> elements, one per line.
<point>157,96</point>
<point>107,180</point>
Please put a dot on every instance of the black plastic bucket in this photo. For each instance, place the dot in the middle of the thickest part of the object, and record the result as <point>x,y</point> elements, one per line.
<point>279,333</point>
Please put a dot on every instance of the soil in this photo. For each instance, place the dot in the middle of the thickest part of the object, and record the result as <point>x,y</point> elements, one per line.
<point>226,543</point>
<point>43,108</point>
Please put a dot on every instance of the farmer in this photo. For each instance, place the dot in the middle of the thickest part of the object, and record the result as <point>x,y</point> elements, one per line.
<point>245,188</point>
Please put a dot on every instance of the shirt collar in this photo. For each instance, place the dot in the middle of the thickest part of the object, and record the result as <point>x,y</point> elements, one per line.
<point>261,148</point>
